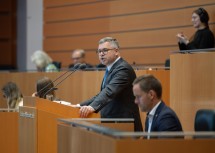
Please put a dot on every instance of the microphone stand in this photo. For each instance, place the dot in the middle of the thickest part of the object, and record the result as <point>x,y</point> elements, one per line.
<point>76,66</point>
<point>81,67</point>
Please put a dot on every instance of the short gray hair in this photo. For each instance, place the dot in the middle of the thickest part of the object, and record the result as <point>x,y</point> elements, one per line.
<point>41,59</point>
<point>114,43</point>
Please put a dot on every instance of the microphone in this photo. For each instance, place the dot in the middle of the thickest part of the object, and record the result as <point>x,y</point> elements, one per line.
<point>80,67</point>
<point>76,66</point>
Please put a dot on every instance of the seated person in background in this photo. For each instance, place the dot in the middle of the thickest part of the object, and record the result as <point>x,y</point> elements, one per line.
<point>13,95</point>
<point>78,56</point>
<point>43,62</point>
<point>44,90</point>
<point>203,37</point>
<point>148,92</point>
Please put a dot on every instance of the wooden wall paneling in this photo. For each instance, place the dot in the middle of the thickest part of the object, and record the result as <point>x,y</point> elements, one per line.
<point>121,7</point>
<point>55,3</point>
<point>144,39</point>
<point>77,12</point>
<point>148,26</point>
<point>164,37</point>
<point>127,39</point>
<point>192,85</point>
<point>83,27</point>
<point>115,7</point>
<point>142,21</point>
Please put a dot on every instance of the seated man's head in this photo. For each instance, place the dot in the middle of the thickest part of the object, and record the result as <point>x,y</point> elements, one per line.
<point>147,91</point>
<point>78,56</point>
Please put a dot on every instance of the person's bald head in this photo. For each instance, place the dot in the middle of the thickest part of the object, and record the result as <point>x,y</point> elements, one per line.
<point>78,56</point>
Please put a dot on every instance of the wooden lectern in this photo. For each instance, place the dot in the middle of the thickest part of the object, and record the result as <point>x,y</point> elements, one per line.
<point>38,124</point>
<point>9,131</point>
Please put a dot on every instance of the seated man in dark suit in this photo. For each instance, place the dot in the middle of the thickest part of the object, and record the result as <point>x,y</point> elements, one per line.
<point>78,56</point>
<point>148,91</point>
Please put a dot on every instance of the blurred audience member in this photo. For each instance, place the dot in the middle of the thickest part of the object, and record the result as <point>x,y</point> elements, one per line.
<point>43,62</point>
<point>13,95</point>
<point>78,56</point>
<point>45,89</point>
<point>43,85</point>
<point>203,37</point>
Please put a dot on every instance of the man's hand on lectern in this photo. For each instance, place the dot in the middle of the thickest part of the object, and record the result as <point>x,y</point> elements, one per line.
<point>86,111</point>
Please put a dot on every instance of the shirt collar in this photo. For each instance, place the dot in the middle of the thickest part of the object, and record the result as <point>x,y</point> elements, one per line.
<point>109,66</point>
<point>152,112</point>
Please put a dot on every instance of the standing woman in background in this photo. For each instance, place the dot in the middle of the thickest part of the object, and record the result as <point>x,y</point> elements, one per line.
<point>13,95</point>
<point>203,37</point>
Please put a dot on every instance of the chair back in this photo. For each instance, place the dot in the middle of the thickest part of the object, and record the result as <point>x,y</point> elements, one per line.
<point>57,64</point>
<point>205,120</point>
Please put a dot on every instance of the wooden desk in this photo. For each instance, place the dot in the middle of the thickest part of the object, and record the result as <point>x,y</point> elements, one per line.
<point>90,139</point>
<point>38,124</point>
<point>9,132</point>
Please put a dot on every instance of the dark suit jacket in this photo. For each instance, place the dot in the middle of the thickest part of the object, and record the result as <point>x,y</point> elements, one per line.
<point>164,119</point>
<point>116,99</point>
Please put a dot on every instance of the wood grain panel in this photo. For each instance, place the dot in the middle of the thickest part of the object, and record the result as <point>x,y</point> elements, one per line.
<point>164,37</point>
<point>55,3</point>
<point>9,132</point>
<point>134,22</point>
<point>148,27</point>
<point>146,40</point>
<point>192,85</point>
<point>111,8</point>
<point>125,6</point>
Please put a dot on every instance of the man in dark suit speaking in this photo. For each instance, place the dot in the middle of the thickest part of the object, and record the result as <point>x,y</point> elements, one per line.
<point>115,100</point>
<point>148,91</point>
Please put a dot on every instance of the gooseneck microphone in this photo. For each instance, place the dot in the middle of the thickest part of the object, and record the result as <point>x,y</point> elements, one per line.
<point>76,66</point>
<point>80,67</point>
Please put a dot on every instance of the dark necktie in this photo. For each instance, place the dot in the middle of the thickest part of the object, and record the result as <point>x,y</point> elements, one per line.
<point>104,79</point>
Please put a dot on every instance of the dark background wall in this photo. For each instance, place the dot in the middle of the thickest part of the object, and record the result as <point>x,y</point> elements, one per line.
<point>8,34</point>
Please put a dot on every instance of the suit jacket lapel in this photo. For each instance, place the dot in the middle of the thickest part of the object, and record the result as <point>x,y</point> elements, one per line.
<point>157,112</point>
<point>110,71</point>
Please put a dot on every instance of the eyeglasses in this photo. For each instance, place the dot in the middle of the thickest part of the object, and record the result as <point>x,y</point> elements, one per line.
<point>104,50</point>
<point>76,58</point>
